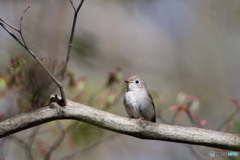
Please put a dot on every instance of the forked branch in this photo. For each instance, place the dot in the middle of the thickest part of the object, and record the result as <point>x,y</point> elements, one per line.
<point>5,26</point>
<point>23,43</point>
<point>76,11</point>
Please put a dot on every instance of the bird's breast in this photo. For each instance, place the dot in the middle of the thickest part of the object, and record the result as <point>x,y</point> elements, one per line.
<point>134,99</point>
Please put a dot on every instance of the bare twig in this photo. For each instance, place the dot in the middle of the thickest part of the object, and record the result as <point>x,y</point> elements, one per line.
<point>189,147</point>
<point>24,45</point>
<point>193,120</point>
<point>18,141</point>
<point>71,37</point>
<point>87,150</point>
<point>27,146</point>
<point>227,120</point>
<point>3,148</point>
<point>190,115</point>
<point>72,5</point>
<point>9,25</point>
<point>181,110</point>
<point>57,142</point>
<point>235,101</point>
<point>9,32</point>
<point>4,24</point>
<point>31,139</point>
<point>20,26</point>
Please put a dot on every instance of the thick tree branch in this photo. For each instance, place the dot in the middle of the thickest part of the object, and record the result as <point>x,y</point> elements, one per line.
<point>134,127</point>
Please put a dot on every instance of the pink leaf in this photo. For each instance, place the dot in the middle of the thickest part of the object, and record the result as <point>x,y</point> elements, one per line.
<point>235,101</point>
<point>176,108</point>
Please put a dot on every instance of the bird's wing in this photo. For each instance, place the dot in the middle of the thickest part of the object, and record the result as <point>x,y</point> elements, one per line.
<point>150,96</point>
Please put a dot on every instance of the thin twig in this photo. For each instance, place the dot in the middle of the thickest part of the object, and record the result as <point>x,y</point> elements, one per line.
<point>235,101</point>
<point>71,37</point>
<point>20,26</point>
<point>72,5</point>
<point>3,148</point>
<point>58,83</point>
<point>88,149</point>
<point>227,120</point>
<point>192,119</point>
<point>9,32</point>
<point>9,25</point>
<point>28,149</point>
<point>57,142</point>
<point>19,141</point>
<point>80,5</point>
<point>190,115</point>
<point>33,135</point>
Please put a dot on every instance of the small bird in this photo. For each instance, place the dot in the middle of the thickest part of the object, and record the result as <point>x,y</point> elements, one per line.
<point>138,100</point>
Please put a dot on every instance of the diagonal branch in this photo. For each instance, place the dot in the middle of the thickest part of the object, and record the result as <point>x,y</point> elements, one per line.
<point>9,32</point>
<point>20,27</point>
<point>9,25</point>
<point>134,127</point>
<point>5,25</point>
<point>23,44</point>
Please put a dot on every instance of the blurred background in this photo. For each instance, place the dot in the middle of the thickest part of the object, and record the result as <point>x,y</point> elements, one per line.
<point>174,45</point>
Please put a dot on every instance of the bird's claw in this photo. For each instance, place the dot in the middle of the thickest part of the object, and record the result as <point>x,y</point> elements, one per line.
<point>142,118</point>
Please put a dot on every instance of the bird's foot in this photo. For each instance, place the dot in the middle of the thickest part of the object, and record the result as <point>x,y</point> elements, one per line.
<point>142,119</point>
<point>129,118</point>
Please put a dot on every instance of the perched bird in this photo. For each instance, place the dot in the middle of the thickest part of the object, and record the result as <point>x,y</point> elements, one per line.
<point>138,100</point>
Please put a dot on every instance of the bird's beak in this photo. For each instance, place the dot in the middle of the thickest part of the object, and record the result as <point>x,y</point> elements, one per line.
<point>126,81</point>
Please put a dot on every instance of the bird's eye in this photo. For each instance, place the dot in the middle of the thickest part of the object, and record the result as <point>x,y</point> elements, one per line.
<point>137,81</point>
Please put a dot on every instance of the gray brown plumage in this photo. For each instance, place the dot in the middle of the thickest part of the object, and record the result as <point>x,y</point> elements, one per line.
<point>138,100</point>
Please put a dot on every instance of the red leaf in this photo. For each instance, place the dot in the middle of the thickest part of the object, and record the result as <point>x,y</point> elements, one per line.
<point>235,101</point>
<point>202,123</point>
<point>177,108</point>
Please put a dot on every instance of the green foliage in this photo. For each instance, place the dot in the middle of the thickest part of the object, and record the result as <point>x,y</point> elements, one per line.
<point>85,135</point>
<point>236,126</point>
<point>3,83</point>
<point>31,83</point>
<point>111,93</point>
<point>32,87</point>
<point>85,47</point>
<point>17,70</point>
